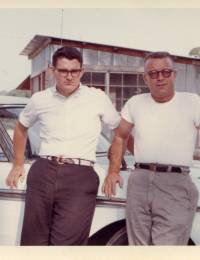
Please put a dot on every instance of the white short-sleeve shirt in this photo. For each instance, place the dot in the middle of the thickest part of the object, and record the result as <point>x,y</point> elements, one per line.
<point>164,132</point>
<point>70,126</point>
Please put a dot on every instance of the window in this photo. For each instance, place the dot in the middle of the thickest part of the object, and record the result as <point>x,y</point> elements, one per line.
<point>115,79</point>
<point>122,85</point>
<point>8,119</point>
<point>2,156</point>
<point>130,80</point>
<point>116,97</point>
<point>87,78</point>
<point>120,60</point>
<point>105,58</point>
<point>94,79</point>
<point>98,78</point>
<point>90,57</point>
<point>129,92</point>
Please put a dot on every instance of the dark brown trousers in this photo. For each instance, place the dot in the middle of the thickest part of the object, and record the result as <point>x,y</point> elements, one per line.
<point>60,203</point>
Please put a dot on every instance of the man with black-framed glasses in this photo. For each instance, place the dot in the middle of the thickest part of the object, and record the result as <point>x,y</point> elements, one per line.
<point>161,197</point>
<point>62,184</point>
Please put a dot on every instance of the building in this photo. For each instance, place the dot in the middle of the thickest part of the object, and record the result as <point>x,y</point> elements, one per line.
<point>23,89</point>
<point>116,70</point>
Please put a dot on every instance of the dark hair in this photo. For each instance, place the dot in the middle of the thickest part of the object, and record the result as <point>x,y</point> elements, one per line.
<point>68,53</point>
<point>159,55</point>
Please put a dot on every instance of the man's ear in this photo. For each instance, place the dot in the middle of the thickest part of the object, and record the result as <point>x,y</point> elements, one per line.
<point>82,72</point>
<point>175,73</point>
<point>50,70</point>
<point>144,78</point>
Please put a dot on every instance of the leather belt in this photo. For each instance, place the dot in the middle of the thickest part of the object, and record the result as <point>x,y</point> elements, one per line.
<point>156,167</point>
<point>63,160</point>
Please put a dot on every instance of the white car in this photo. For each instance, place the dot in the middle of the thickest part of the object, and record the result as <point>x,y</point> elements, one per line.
<point>108,226</point>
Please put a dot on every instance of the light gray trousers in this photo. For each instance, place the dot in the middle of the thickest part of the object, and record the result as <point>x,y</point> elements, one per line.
<point>160,207</point>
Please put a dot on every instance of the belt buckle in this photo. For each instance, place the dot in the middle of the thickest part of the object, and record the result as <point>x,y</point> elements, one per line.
<point>185,169</point>
<point>69,160</point>
<point>60,160</point>
<point>153,167</point>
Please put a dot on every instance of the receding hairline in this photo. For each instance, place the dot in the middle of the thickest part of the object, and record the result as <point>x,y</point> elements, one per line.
<point>157,56</point>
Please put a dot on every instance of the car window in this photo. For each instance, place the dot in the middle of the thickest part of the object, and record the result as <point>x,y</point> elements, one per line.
<point>8,117</point>
<point>3,157</point>
<point>103,145</point>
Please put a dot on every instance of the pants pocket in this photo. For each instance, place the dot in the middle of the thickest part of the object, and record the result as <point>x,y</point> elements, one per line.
<point>193,193</point>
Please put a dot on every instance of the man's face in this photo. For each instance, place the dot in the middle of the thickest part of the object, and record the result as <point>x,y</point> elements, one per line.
<point>159,75</point>
<point>67,74</point>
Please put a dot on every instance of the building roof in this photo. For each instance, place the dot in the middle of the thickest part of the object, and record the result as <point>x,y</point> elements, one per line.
<point>39,42</point>
<point>25,84</point>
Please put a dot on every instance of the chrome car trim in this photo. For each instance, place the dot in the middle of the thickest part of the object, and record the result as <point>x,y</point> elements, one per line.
<point>113,202</point>
<point>12,194</point>
<point>16,194</point>
<point>116,202</point>
<point>13,105</point>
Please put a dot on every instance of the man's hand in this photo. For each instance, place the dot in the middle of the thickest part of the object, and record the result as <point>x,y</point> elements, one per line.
<point>16,173</point>
<point>109,186</point>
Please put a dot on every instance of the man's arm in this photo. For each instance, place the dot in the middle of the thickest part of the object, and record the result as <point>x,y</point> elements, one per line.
<point>130,144</point>
<point>116,151</point>
<point>19,144</point>
<point>127,145</point>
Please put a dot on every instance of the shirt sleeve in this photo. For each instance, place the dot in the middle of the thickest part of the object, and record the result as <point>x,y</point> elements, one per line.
<point>109,116</point>
<point>29,114</point>
<point>126,112</point>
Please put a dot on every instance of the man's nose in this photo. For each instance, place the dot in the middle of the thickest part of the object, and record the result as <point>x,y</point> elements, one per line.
<point>69,75</point>
<point>160,76</point>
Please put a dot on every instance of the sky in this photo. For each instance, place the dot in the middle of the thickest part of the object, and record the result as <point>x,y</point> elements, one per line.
<point>168,29</point>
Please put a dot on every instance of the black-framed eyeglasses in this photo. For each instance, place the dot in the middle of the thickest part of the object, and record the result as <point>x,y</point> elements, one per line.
<point>74,73</point>
<point>154,74</point>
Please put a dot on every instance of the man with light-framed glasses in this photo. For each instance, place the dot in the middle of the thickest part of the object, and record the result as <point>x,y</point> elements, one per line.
<point>62,184</point>
<point>161,197</point>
